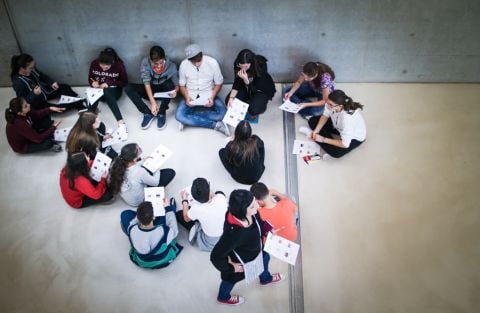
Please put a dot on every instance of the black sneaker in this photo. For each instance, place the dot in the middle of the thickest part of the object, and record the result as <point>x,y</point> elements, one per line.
<point>161,121</point>
<point>56,148</point>
<point>147,120</point>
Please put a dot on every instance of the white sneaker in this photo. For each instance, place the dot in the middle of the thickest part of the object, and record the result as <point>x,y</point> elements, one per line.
<point>192,234</point>
<point>305,130</point>
<point>221,127</point>
<point>180,126</point>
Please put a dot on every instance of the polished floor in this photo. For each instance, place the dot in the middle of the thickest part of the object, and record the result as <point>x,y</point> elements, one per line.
<point>392,227</point>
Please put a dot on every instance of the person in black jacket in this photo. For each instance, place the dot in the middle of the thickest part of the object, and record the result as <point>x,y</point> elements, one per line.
<point>252,83</point>
<point>36,87</point>
<point>244,156</point>
<point>241,243</point>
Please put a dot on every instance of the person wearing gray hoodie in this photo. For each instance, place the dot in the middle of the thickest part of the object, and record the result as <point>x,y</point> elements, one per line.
<point>158,74</point>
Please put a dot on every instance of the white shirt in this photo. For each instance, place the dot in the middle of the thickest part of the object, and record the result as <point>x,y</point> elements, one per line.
<point>350,126</point>
<point>211,215</point>
<point>201,79</point>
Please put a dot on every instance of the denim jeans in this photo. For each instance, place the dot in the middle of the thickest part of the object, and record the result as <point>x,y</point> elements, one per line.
<point>265,277</point>
<point>201,116</point>
<point>302,94</point>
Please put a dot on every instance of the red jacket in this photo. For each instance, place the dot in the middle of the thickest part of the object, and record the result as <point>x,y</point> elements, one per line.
<point>21,133</point>
<point>83,187</point>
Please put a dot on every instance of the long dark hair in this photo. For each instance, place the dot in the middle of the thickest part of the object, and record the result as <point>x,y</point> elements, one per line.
<point>316,68</point>
<point>339,97</point>
<point>77,165</point>
<point>116,177</point>
<point>258,63</point>
<point>244,146</point>
<point>19,61</point>
<point>108,56</point>
<point>15,106</point>
<point>238,203</point>
<point>83,136</point>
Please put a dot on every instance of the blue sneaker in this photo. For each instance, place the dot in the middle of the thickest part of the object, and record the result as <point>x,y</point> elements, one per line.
<point>252,120</point>
<point>147,120</point>
<point>161,121</point>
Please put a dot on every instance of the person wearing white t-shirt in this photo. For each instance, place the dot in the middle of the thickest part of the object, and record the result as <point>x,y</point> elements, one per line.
<point>341,128</point>
<point>204,217</point>
<point>200,81</point>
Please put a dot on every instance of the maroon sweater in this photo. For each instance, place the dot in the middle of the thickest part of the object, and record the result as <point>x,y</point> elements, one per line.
<point>21,133</point>
<point>115,76</point>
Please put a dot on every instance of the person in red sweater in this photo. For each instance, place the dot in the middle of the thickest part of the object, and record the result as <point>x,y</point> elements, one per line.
<point>77,187</point>
<point>30,131</point>
<point>277,210</point>
<point>108,73</point>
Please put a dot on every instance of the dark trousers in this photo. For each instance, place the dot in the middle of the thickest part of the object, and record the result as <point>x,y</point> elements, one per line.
<point>257,102</point>
<point>137,91</point>
<point>111,96</point>
<point>62,90</point>
<point>328,131</point>
<point>166,176</point>
<point>38,147</point>
<point>107,196</point>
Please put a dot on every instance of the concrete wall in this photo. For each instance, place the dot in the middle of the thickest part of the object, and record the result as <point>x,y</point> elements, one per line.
<point>363,41</point>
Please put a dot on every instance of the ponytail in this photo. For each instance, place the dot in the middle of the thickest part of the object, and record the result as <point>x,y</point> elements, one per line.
<point>19,61</point>
<point>14,107</point>
<point>119,167</point>
<point>339,97</point>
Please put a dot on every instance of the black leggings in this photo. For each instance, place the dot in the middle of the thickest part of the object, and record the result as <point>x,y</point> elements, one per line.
<point>257,102</point>
<point>111,96</point>
<point>107,196</point>
<point>328,131</point>
<point>67,91</point>
<point>38,147</point>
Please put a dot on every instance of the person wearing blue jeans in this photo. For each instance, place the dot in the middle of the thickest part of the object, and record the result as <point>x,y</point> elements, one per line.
<point>316,81</point>
<point>200,81</point>
<point>240,243</point>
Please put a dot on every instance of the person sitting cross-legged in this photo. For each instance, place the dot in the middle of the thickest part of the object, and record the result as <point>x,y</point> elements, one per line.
<point>153,239</point>
<point>200,81</point>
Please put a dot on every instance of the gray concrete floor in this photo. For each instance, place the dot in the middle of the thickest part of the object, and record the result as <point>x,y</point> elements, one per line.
<point>392,227</point>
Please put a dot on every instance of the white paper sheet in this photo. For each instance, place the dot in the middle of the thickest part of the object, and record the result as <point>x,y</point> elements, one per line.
<point>93,94</point>
<point>303,148</point>
<point>200,98</point>
<point>281,248</point>
<point>236,113</point>
<point>163,94</point>
<point>119,135</point>
<point>100,166</point>
<point>67,99</point>
<point>61,134</point>
<point>289,106</point>
<point>155,195</point>
<point>188,190</point>
<point>157,158</point>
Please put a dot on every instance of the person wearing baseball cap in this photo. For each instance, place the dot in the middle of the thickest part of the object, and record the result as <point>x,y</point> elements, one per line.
<point>200,81</point>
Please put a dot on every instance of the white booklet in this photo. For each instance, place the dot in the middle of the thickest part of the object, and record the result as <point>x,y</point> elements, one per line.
<point>304,148</point>
<point>155,195</point>
<point>67,99</point>
<point>236,113</point>
<point>165,94</point>
<point>61,134</point>
<point>93,94</point>
<point>119,135</point>
<point>281,248</point>
<point>289,106</point>
<point>200,98</point>
<point>157,158</point>
<point>188,190</point>
<point>100,166</point>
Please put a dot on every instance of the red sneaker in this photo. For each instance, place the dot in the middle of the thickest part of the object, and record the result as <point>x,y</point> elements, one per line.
<point>234,300</point>
<point>276,277</point>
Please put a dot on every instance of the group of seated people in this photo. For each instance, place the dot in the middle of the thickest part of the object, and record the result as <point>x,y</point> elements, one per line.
<point>231,227</point>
